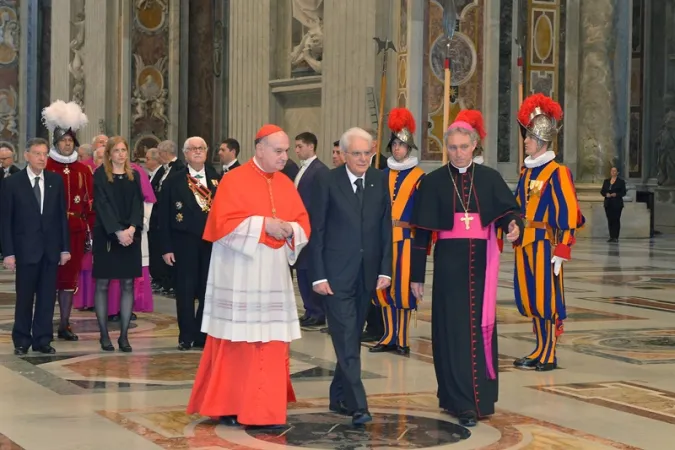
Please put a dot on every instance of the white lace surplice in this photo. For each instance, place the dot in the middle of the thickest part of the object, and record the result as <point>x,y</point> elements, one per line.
<point>249,293</point>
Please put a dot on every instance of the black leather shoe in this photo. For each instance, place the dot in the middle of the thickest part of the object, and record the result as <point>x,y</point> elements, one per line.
<point>230,421</point>
<point>312,322</point>
<point>124,345</point>
<point>20,351</point>
<point>199,345</point>
<point>468,419</point>
<point>340,408</point>
<point>405,351</point>
<point>541,367</point>
<point>361,418</point>
<point>106,346</point>
<point>380,348</point>
<point>46,349</point>
<point>525,363</point>
<point>68,335</point>
<point>183,346</point>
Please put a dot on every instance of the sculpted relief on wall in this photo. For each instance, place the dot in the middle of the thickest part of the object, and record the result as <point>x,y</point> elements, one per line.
<point>9,73</point>
<point>307,53</point>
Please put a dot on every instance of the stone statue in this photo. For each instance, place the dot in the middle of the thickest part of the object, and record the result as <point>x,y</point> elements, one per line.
<point>309,52</point>
<point>665,146</point>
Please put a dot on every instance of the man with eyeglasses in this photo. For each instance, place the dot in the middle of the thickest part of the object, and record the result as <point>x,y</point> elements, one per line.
<point>463,204</point>
<point>184,205</point>
<point>351,255</point>
<point>63,120</point>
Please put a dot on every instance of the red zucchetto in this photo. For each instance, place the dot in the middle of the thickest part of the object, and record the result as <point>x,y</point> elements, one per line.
<point>266,130</point>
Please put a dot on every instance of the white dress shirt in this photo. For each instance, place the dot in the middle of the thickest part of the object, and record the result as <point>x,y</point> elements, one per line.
<point>167,168</point>
<point>199,175</point>
<point>226,167</point>
<point>31,178</point>
<point>304,165</point>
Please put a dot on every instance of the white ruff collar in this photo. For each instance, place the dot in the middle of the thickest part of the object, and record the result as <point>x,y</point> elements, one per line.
<point>58,157</point>
<point>540,160</point>
<point>408,163</point>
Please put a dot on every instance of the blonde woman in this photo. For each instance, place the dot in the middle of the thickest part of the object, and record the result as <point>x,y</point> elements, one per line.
<point>118,203</point>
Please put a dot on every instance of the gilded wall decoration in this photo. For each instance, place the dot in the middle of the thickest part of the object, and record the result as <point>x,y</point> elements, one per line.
<point>143,144</point>
<point>9,71</point>
<point>149,77</point>
<point>466,64</point>
<point>402,57</point>
<point>545,53</point>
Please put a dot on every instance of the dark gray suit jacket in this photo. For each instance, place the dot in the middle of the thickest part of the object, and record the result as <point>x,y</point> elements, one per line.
<point>345,236</point>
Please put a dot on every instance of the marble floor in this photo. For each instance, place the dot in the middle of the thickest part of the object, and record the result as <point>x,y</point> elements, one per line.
<point>615,387</point>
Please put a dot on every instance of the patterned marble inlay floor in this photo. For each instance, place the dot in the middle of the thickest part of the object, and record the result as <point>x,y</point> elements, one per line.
<point>615,389</point>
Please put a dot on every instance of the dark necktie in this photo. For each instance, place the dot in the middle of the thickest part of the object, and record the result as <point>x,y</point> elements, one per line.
<point>359,190</point>
<point>38,194</point>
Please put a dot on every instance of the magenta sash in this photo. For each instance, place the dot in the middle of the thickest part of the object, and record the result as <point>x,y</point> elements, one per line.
<point>489,313</point>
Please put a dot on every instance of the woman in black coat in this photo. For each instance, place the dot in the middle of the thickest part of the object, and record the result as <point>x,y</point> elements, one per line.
<point>613,190</point>
<point>118,203</point>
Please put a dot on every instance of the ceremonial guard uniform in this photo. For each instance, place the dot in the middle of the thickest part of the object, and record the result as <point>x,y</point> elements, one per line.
<point>183,208</point>
<point>63,120</point>
<point>397,301</point>
<point>549,207</point>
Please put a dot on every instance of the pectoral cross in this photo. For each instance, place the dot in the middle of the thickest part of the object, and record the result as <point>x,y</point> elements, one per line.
<point>467,220</point>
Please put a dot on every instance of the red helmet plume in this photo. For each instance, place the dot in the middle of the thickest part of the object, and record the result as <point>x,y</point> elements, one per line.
<point>474,118</point>
<point>400,118</point>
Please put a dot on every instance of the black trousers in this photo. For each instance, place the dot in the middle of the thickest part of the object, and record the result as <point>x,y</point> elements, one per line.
<point>35,283</point>
<point>193,255</point>
<point>375,321</point>
<point>160,272</point>
<point>346,313</point>
<point>613,221</point>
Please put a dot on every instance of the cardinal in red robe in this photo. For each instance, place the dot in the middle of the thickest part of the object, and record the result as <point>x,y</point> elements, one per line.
<point>250,313</point>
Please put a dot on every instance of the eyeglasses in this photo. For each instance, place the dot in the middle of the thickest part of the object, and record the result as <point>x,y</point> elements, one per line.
<point>197,149</point>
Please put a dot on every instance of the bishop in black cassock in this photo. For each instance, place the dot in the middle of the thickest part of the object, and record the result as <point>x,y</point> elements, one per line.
<point>464,347</point>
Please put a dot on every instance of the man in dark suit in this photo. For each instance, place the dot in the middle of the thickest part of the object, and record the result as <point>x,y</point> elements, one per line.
<point>163,278</point>
<point>228,154</point>
<point>306,180</point>
<point>351,255</point>
<point>291,169</point>
<point>184,204</point>
<point>34,233</point>
<point>7,167</point>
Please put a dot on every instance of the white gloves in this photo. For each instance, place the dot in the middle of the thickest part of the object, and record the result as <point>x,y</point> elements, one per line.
<point>557,264</point>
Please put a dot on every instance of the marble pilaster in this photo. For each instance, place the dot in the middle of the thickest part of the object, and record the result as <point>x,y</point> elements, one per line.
<point>349,67</point>
<point>249,71</point>
<point>60,51</point>
<point>571,103</point>
<point>490,106</point>
<point>598,141</point>
<point>173,72</point>
<point>97,55</point>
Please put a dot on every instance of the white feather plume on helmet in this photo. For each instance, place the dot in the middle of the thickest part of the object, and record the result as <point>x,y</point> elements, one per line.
<point>62,119</point>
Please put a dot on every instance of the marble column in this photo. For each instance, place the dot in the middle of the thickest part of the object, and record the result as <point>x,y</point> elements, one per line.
<point>249,71</point>
<point>598,140</point>
<point>60,51</point>
<point>97,57</point>
<point>414,73</point>
<point>349,66</point>
<point>490,106</point>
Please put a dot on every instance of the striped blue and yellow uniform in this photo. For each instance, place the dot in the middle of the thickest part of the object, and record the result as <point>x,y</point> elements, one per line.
<point>548,203</point>
<point>398,301</point>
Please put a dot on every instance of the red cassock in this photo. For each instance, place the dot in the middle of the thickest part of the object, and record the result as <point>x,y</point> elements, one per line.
<point>79,190</point>
<point>250,380</point>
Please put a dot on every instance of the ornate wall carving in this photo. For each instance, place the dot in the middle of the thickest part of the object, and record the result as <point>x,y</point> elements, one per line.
<point>149,76</point>
<point>545,54</point>
<point>466,65</point>
<point>9,72</point>
<point>76,64</point>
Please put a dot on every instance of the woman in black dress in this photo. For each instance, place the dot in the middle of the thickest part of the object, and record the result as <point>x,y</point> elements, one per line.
<point>118,203</point>
<point>614,190</point>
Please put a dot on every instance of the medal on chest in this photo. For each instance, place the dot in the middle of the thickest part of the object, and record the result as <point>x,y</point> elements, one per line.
<point>202,194</point>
